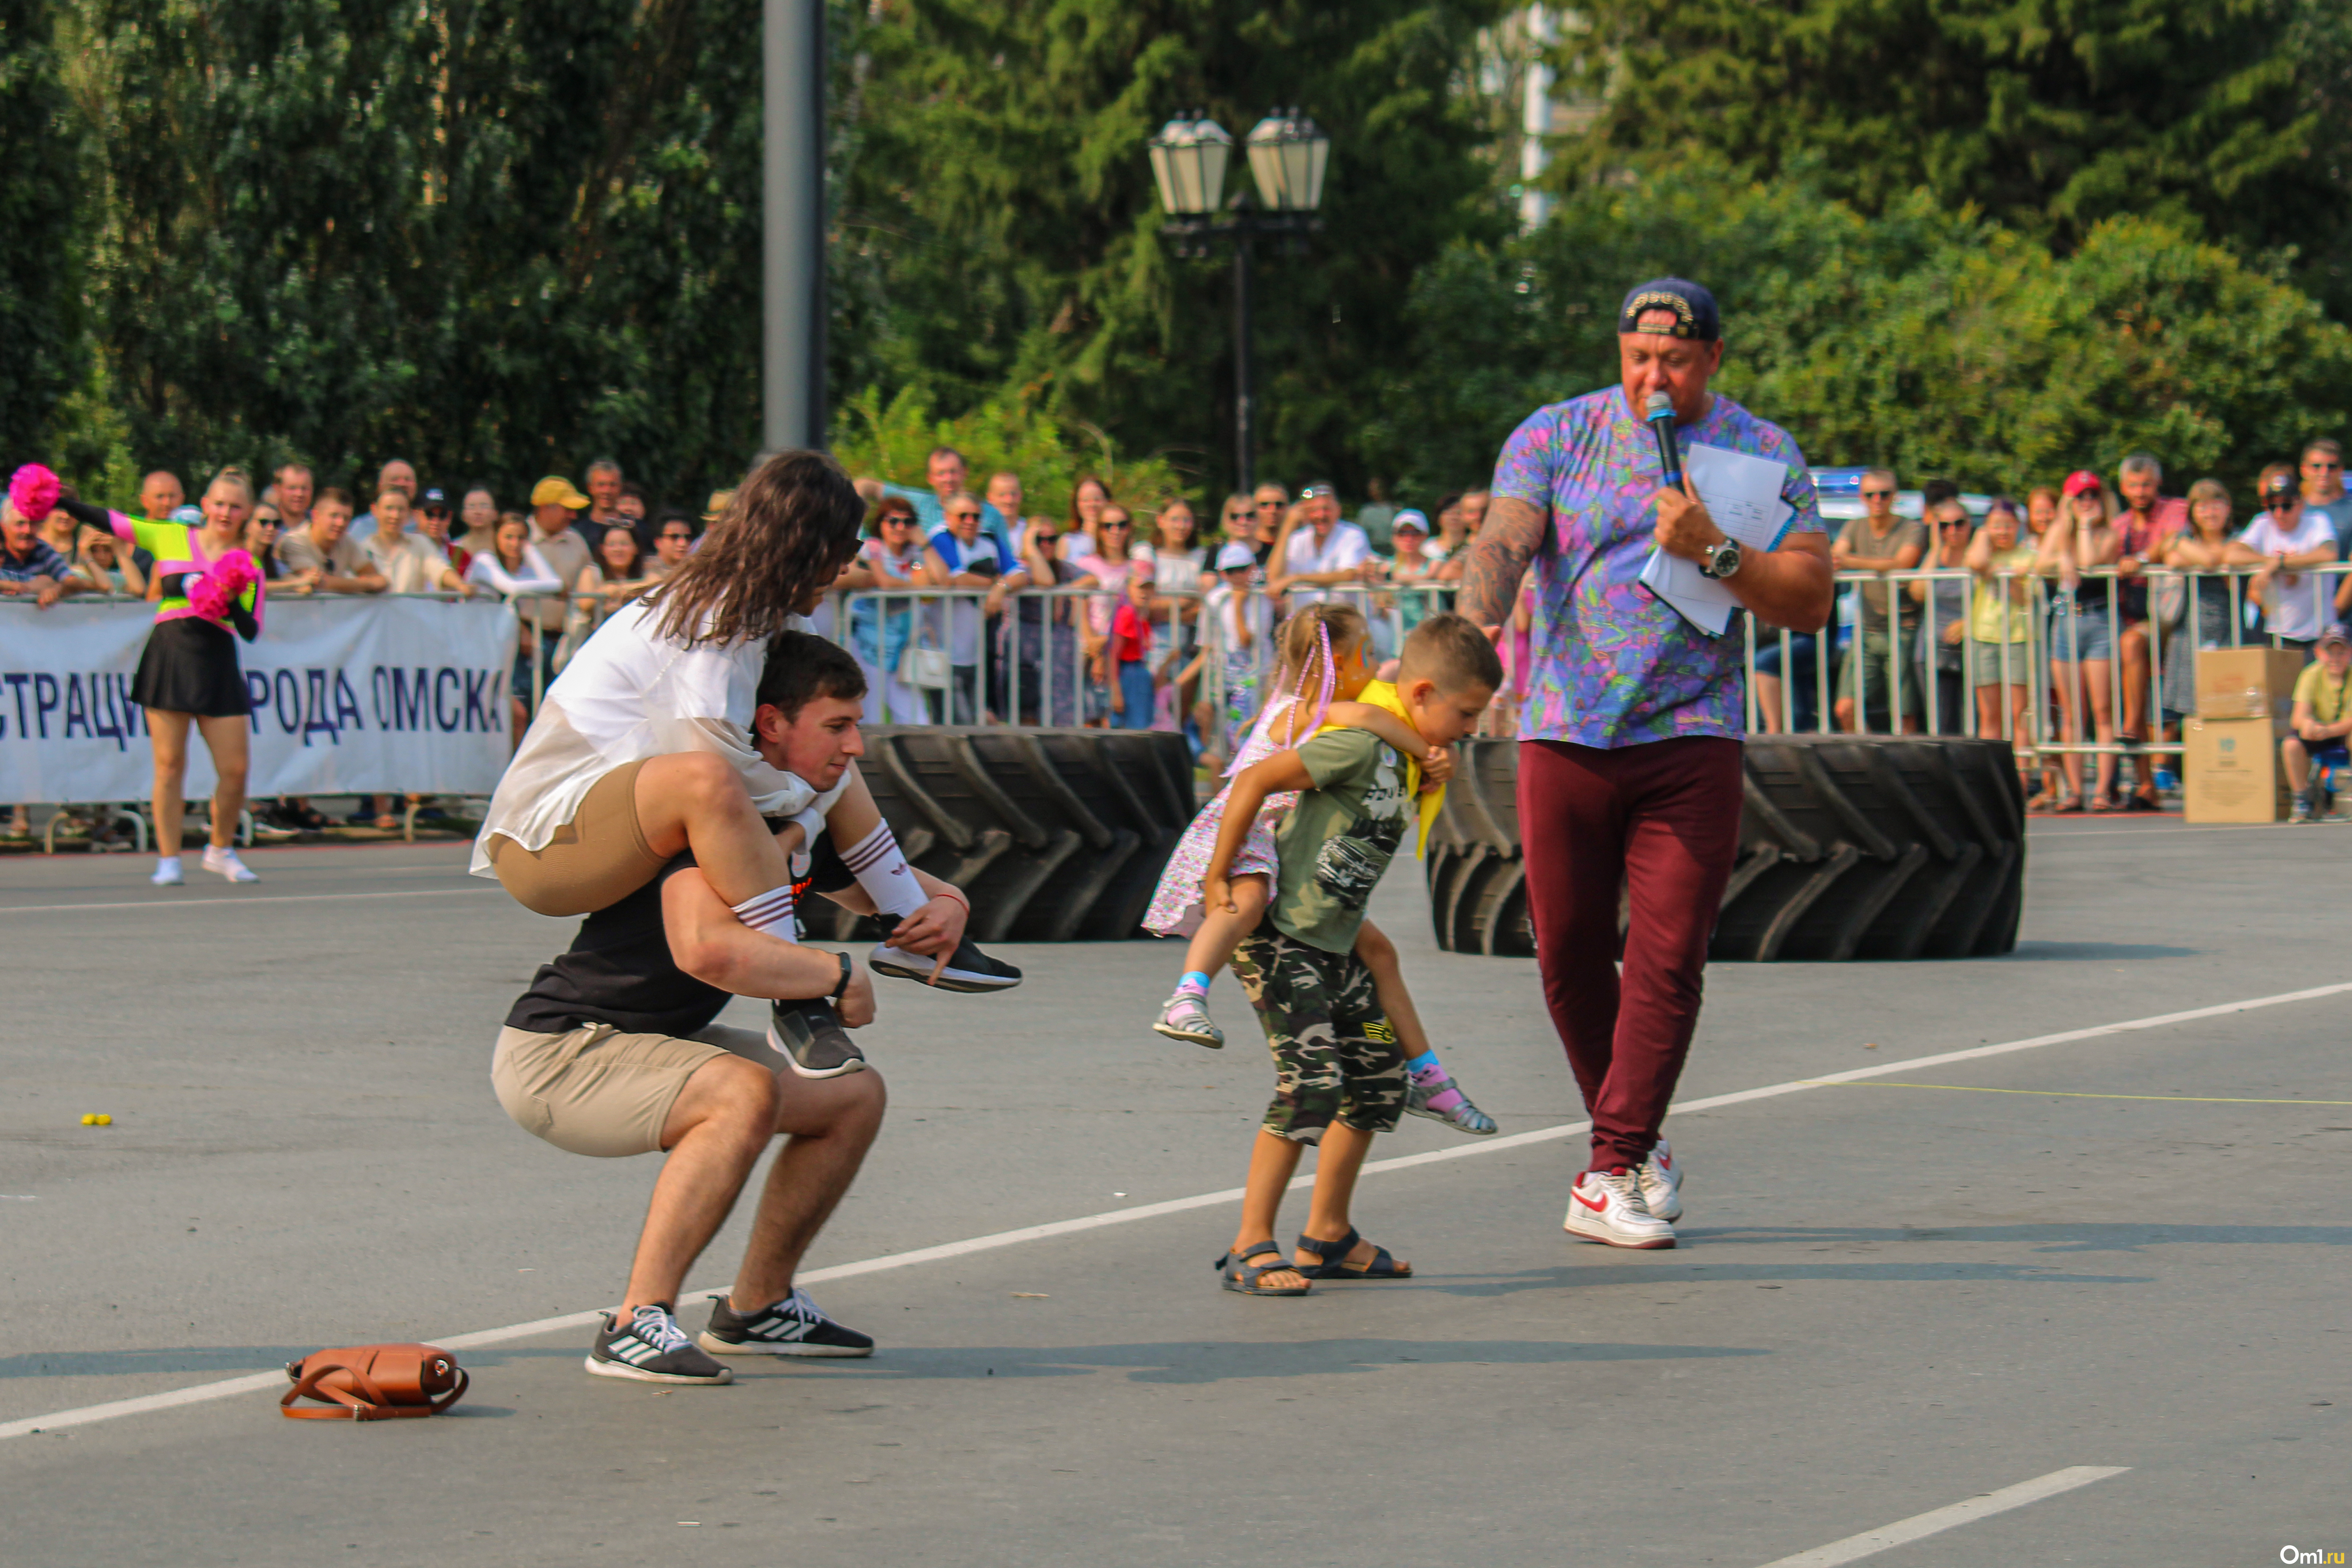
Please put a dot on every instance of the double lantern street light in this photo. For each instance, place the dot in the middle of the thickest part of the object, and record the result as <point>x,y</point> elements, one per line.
<point>1288,154</point>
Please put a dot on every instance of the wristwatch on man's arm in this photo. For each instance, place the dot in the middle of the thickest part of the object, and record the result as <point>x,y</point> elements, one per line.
<point>842,985</point>
<point>1722,559</point>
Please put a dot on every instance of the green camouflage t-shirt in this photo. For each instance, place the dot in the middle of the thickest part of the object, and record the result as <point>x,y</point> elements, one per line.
<point>1337,840</point>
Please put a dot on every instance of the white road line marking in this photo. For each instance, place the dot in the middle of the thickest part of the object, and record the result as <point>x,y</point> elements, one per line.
<point>1871,1542</point>
<point>1003,1239</point>
<point>247,898</point>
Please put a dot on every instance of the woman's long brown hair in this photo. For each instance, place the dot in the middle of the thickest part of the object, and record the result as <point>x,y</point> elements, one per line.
<point>787,534</point>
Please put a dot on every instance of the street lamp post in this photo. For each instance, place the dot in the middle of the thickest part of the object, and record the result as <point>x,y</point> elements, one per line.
<point>791,224</point>
<point>1287,155</point>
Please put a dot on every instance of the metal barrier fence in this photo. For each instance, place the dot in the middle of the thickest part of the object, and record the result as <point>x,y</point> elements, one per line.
<point>2115,653</point>
<point>1042,656</point>
<point>2091,669</point>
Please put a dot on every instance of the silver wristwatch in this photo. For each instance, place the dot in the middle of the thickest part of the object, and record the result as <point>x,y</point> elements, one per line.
<point>1722,560</point>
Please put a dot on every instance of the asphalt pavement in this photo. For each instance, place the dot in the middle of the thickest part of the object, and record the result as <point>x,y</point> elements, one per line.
<point>2121,1285</point>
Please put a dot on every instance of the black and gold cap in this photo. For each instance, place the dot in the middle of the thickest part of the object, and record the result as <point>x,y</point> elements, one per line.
<point>1691,306</point>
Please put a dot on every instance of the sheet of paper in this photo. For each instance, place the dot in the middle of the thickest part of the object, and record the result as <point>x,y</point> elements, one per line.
<point>1742,493</point>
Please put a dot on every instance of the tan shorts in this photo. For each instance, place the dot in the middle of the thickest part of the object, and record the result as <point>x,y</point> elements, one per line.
<point>594,861</point>
<point>595,1091</point>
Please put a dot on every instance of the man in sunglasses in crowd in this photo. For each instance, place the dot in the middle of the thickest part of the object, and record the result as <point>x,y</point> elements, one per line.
<point>1879,541</point>
<point>959,556</point>
<point>1270,501</point>
<point>2322,475</point>
<point>672,542</point>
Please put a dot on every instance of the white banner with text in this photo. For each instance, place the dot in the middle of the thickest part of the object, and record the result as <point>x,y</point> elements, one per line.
<point>366,695</point>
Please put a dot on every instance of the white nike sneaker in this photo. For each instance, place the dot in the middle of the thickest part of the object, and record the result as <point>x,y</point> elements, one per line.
<point>167,872</point>
<point>1662,1183</point>
<point>224,862</point>
<point>1606,1207</point>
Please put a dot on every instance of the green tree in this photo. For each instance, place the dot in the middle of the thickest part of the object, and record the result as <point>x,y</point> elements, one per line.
<point>1933,342</point>
<point>1001,203</point>
<point>2049,115</point>
<point>894,441</point>
<point>38,202</point>
<point>500,236</point>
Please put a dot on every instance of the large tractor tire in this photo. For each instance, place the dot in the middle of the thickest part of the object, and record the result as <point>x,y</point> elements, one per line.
<point>1850,847</point>
<point>1054,835</point>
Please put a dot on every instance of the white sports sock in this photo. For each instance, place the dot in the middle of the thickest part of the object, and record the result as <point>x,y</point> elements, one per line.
<point>883,872</point>
<point>771,912</point>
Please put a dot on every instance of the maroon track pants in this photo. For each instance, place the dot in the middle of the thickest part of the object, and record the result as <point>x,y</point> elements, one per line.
<point>1661,820</point>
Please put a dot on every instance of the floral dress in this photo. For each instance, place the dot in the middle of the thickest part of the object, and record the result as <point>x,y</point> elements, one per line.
<point>1176,909</point>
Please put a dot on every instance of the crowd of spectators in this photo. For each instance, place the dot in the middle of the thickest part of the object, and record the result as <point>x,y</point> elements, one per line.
<point>2105,586</point>
<point>565,564</point>
<point>1159,622</point>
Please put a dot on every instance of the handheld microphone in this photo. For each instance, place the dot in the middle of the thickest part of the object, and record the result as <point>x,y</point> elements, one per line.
<point>1661,414</point>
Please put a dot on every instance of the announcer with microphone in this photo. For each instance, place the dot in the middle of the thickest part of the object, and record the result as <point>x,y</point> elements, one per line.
<point>1630,738</point>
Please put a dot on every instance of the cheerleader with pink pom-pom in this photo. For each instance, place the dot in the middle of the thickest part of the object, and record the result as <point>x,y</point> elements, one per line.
<point>189,673</point>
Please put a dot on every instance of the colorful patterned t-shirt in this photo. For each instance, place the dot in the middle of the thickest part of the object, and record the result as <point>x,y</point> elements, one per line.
<point>1613,664</point>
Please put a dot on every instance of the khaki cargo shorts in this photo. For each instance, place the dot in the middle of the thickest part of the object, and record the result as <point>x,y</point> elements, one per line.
<point>595,1091</point>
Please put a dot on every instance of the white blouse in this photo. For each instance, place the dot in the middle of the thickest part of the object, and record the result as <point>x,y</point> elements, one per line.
<point>628,694</point>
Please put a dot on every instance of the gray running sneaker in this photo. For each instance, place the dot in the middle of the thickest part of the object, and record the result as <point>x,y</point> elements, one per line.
<point>794,1326</point>
<point>808,1035</point>
<point>1186,1017</point>
<point>651,1348</point>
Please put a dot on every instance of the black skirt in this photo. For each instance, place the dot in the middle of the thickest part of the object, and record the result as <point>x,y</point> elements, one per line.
<point>190,667</point>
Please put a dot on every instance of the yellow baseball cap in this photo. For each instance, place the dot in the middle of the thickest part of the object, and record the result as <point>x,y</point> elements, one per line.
<point>556,491</point>
<point>720,501</point>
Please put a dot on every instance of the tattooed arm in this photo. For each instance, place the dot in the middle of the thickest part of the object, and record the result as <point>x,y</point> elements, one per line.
<point>1498,559</point>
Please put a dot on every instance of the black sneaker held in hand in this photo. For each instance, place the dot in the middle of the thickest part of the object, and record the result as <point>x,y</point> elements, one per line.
<point>968,968</point>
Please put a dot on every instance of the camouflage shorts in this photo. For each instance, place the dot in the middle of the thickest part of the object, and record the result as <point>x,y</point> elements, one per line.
<point>1335,1057</point>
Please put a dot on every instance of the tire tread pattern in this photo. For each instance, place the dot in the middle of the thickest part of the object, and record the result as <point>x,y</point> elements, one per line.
<point>1852,848</point>
<point>1053,835</point>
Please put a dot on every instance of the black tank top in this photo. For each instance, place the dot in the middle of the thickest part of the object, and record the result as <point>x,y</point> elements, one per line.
<point>619,971</point>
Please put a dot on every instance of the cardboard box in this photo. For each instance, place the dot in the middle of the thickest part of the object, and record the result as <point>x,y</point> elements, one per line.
<point>2246,682</point>
<point>2230,771</point>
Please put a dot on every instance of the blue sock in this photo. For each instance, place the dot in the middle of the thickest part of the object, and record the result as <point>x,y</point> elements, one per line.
<point>1425,1062</point>
<point>1193,979</point>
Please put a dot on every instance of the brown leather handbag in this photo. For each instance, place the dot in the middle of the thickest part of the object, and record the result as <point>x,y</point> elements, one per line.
<point>375,1382</point>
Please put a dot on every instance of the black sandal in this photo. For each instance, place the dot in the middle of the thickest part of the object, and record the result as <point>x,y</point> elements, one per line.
<point>1334,1255</point>
<point>1239,1276</point>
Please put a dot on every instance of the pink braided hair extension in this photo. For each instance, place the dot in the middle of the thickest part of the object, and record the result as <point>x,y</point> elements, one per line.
<point>1262,728</point>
